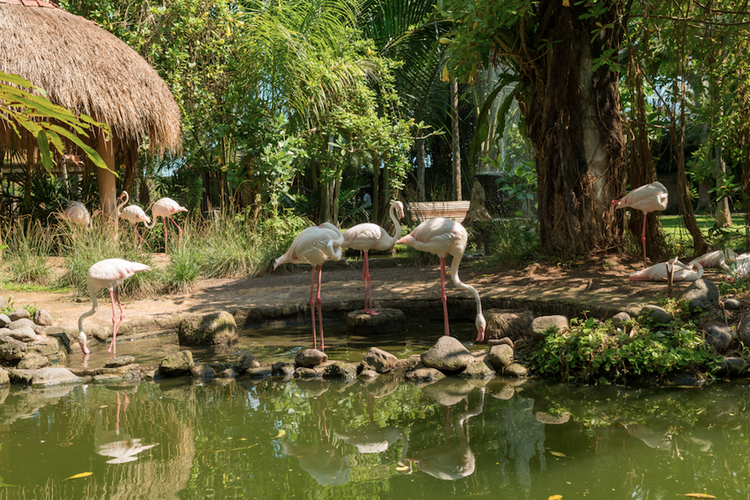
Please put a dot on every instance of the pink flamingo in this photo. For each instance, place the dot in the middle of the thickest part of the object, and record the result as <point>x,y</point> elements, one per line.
<point>366,237</point>
<point>647,198</point>
<point>442,237</point>
<point>133,214</point>
<point>166,208</point>
<point>314,246</point>
<point>109,273</point>
<point>660,272</point>
<point>76,213</point>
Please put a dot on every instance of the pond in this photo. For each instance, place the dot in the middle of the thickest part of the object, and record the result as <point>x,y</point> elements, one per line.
<point>228,438</point>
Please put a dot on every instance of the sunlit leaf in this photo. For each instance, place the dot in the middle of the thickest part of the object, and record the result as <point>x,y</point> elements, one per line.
<point>555,497</point>
<point>78,476</point>
<point>699,495</point>
<point>281,433</point>
<point>558,454</point>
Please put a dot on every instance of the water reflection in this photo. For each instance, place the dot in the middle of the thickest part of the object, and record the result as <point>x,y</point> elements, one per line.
<point>453,460</point>
<point>314,439</point>
<point>109,443</point>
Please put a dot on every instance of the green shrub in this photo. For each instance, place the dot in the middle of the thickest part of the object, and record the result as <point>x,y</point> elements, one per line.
<point>28,249</point>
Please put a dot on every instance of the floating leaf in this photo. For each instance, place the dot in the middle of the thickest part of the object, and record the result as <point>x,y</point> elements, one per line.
<point>78,476</point>
<point>555,497</point>
<point>281,433</point>
<point>558,454</point>
<point>699,495</point>
<point>402,468</point>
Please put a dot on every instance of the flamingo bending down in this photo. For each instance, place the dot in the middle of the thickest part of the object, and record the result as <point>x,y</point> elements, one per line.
<point>368,236</point>
<point>133,214</point>
<point>109,273</point>
<point>442,237</point>
<point>166,208</point>
<point>314,246</point>
<point>76,213</point>
<point>647,198</point>
<point>659,272</point>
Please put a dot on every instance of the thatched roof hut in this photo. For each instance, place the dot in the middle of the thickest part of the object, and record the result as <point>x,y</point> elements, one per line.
<point>87,69</point>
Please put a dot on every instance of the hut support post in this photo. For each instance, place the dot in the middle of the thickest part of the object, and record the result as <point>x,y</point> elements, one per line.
<point>107,186</point>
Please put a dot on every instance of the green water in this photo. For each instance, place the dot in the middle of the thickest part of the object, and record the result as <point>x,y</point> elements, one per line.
<point>241,438</point>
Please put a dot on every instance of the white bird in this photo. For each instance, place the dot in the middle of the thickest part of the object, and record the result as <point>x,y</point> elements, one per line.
<point>76,213</point>
<point>442,237</point>
<point>368,236</point>
<point>109,273</point>
<point>738,267</point>
<point>659,272</point>
<point>314,246</point>
<point>133,214</point>
<point>647,198</point>
<point>166,208</point>
<point>717,258</point>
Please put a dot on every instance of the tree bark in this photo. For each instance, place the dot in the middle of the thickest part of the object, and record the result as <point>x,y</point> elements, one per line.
<point>574,124</point>
<point>420,170</point>
<point>456,144</point>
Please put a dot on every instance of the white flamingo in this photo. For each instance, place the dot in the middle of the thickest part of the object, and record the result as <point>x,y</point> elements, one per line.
<point>166,208</point>
<point>133,214</point>
<point>647,198</point>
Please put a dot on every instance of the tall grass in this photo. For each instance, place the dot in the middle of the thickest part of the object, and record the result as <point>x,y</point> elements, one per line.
<point>26,257</point>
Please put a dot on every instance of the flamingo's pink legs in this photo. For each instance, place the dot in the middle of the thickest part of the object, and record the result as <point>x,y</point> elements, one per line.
<point>312,306</point>
<point>115,324</point>
<point>179,229</point>
<point>443,297</point>
<point>368,287</point>
<point>643,240</point>
<point>320,313</point>
<point>313,300</point>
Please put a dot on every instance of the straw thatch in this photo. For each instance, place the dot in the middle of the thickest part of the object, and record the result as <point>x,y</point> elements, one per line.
<point>87,69</point>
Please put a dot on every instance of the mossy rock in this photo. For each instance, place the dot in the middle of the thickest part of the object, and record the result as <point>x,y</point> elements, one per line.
<point>217,329</point>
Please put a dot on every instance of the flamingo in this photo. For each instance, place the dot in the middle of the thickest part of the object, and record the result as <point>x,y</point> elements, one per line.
<point>659,272</point>
<point>647,198</point>
<point>443,236</point>
<point>314,246</point>
<point>133,214</point>
<point>717,258</point>
<point>368,236</point>
<point>109,273</point>
<point>166,208</point>
<point>76,213</point>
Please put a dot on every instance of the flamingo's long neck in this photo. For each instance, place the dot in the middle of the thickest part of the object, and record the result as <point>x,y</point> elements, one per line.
<point>454,276</point>
<point>90,312</point>
<point>127,198</point>
<point>396,223</point>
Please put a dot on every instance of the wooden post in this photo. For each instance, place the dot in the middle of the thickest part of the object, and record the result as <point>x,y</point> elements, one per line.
<point>106,178</point>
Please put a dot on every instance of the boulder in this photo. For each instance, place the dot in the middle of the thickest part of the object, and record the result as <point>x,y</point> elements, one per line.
<point>4,377</point>
<point>657,314</point>
<point>515,370</point>
<point>244,362</point>
<point>259,372</point>
<point>46,346</point>
<point>19,313</point>
<point>732,367</point>
<point>11,349</point>
<point>282,369</point>
<point>32,361</point>
<point>387,322</point>
<point>448,354</point>
<point>54,376</point>
<point>340,370</point>
<point>24,334</point>
<point>217,329</point>
<point>310,358</point>
<point>379,360</point>
<point>42,318</point>
<point>703,294</point>
<point>620,319</point>
<point>744,330</point>
<point>514,324</point>
<point>719,335</point>
<point>542,324</point>
<point>478,371</point>
<point>502,341</point>
<point>732,304</point>
<point>424,375</point>
<point>500,356</point>
<point>204,371</point>
<point>4,320</point>
<point>119,362</point>
<point>176,364</point>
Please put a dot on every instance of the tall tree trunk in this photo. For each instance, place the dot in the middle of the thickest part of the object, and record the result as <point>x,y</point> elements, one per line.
<point>420,169</point>
<point>574,124</point>
<point>375,187</point>
<point>456,143</point>
<point>723,212</point>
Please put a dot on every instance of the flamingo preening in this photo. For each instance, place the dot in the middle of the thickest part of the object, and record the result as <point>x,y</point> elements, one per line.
<point>314,246</point>
<point>109,273</point>
<point>660,272</point>
<point>647,198</point>
<point>368,236</point>
<point>133,214</point>
<point>443,236</point>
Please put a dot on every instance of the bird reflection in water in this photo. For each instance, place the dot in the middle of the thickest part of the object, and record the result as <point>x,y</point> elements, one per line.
<point>121,449</point>
<point>374,439</point>
<point>323,462</point>
<point>455,459</point>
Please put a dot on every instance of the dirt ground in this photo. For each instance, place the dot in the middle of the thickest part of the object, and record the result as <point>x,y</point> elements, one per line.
<point>600,286</point>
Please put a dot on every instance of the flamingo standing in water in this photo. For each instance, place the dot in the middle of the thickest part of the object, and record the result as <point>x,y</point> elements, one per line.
<point>166,208</point>
<point>314,246</point>
<point>647,198</point>
<point>109,273</point>
<point>368,236</point>
<point>133,214</point>
<point>442,237</point>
